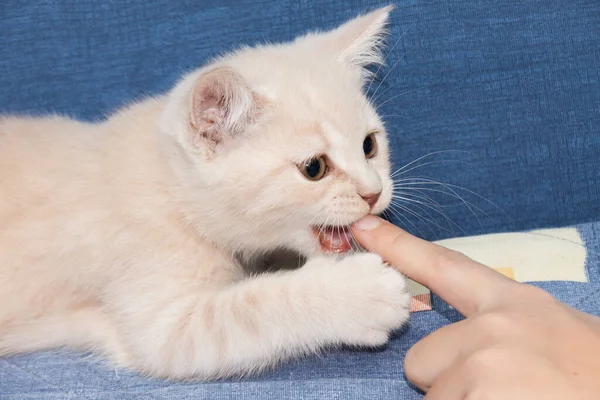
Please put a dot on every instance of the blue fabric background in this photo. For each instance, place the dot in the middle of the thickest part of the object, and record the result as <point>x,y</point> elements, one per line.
<point>513,83</point>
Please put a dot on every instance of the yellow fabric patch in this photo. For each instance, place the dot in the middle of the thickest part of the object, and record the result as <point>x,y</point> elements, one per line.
<point>508,272</point>
<point>542,255</point>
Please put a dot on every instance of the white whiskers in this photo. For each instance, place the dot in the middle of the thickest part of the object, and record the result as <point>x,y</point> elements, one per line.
<point>419,201</point>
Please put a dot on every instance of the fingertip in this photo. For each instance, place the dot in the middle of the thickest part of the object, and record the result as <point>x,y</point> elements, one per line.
<point>367,231</point>
<point>367,223</point>
<point>373,232</point>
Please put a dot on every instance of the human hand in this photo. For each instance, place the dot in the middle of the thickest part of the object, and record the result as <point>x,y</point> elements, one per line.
<point>517,341</point>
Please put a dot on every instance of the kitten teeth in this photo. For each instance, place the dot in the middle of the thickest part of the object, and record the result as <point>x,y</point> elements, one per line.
<point>334,239</point>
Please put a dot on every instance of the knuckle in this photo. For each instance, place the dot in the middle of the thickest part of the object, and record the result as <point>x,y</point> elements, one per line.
<point>498,325</point>
<point>483,390</point>
<point>535,293</point>
<point>399,239</point>
<point>446,257</point>
<point>488,360</point>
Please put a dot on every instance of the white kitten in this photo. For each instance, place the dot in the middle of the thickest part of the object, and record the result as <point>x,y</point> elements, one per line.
<point>121,237</point>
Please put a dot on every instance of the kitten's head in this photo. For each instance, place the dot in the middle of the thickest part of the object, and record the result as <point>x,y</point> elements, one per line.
<point>278,146</point>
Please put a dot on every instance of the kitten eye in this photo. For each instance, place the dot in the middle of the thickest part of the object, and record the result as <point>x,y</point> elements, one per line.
<point>370,146</point>
<point>314,169</point>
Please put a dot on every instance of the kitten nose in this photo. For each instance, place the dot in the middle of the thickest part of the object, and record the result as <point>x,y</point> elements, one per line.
<point>371,199</point>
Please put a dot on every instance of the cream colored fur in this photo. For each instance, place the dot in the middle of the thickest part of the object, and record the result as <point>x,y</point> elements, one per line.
<point>124,237</point>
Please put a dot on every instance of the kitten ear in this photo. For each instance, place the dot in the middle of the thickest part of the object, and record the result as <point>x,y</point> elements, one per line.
<point>358,42</point>
<point>222,105</point>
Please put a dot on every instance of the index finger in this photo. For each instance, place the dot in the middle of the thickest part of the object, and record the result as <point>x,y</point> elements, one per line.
<point>463,283</point>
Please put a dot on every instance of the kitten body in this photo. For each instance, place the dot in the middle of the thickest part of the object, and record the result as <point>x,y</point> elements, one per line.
<point>125,237</point>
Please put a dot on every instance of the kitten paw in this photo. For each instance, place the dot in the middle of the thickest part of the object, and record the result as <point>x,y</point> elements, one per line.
<point>371,299</point>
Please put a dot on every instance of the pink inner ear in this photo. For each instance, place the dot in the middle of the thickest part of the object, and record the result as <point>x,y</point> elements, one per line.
<point>208,106</point>
<point>222,106</point>
<point>211,110</point>
<point>208,113</point>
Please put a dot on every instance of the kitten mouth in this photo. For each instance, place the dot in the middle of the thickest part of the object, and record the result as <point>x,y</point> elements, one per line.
<point>334,239</point>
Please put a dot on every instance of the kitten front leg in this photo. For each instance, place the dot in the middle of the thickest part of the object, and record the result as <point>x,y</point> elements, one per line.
<point>256,323</point>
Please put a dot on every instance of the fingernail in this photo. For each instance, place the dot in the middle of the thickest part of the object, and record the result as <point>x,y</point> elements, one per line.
<point>368,223</point>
